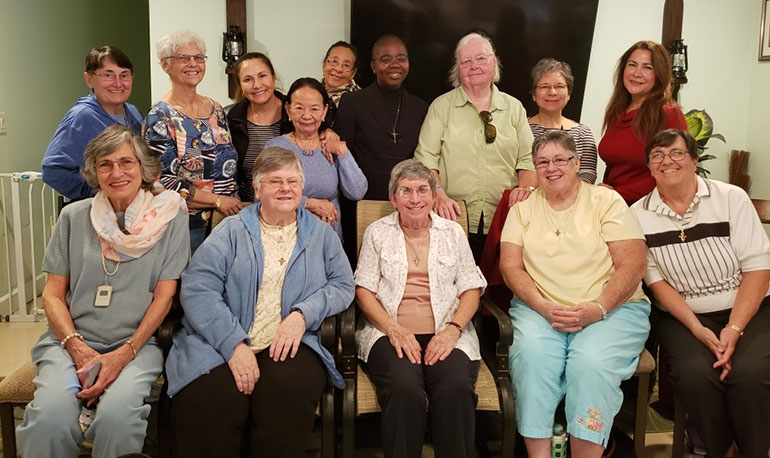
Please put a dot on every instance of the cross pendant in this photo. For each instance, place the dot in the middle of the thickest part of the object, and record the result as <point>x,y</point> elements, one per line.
<point>394,136</point>
<point>416,261</point>
<point>282,260</point>
<point>682,235</point>
<point>558,233</point>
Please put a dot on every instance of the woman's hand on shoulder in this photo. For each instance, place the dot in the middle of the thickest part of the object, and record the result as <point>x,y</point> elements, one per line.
<point>404,343</point>
<point>518,194</point>
<point>441,345</point>
<point>323,209</point>
<point>334,148</point>
<point>243,365</point>
<point>445,207</point>
<point>112,365</point>
<point>229,206</point>
<point>288,337</point>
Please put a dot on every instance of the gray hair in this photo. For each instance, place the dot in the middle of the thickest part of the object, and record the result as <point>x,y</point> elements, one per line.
<point>454,72</point>
<point>557,136</point>
<point>548,64</point>
<point>108,142</point>
<point>410,169</point>
<point>275,158</point>
<point>168,44</point>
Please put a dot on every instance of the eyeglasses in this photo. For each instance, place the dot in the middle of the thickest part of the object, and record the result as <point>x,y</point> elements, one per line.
<point>422,191</point>
<point>490,131</point>
<point>557,161</point>
<point>481,59</point>
<point>274,183</point>
<point>550,87</point>
<point>387,59</point>
<point>346,67</point>
<point>112,76</point>
<point>675,155</point>
<point>125,163</point>
<point>199,58</point>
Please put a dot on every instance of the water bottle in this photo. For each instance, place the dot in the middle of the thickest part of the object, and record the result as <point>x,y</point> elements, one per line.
<point>559,442</point>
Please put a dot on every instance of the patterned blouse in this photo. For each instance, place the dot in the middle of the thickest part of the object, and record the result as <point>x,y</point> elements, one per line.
<point>194,152</point>
<point>382,269</point>
<point>336,93</point>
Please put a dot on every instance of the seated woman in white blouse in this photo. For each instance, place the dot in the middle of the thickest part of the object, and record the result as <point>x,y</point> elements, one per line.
<point>708,264</point>
<point>418,288</point>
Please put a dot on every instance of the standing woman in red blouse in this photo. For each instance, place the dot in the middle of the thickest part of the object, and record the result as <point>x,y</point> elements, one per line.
<point>641,106</point>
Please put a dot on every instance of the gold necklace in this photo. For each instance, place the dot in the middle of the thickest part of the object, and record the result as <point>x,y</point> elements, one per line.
<point>567,216</point>
<point>416,258</point>
<point>682,234</point>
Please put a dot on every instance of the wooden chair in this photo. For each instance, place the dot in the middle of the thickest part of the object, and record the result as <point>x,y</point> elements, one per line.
<point>763,209</point>
<point>493,385</point>
<point>329,340</point>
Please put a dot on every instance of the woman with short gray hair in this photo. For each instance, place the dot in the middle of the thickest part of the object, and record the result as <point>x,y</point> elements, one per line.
<point>477,141</point>
<point>552,83</point>
<point>190,133</point>
<point>418,288</point>
<point>113,263</point>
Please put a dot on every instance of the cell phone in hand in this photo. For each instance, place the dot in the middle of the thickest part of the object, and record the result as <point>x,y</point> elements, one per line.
<point>92,374</point>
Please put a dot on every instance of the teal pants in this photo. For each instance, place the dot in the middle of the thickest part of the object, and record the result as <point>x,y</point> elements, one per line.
<point>585,368</point>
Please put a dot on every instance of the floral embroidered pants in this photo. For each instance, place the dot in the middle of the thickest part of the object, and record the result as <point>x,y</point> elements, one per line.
<point>584,367</point>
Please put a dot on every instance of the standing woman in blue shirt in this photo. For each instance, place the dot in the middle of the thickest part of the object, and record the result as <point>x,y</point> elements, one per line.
<point>110,75</point>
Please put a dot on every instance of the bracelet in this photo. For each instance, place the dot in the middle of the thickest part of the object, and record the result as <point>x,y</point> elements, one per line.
<point>601,309</point>
<point>298,310</point>
<point>735,328</point>
<point>68,337</point>
<point>131,344</point>
<point>218,203</point>
<point>453,323</point>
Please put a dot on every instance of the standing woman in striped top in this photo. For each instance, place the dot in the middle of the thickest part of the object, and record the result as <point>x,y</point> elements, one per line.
<point>257,117</point>
<point>708,264</point>
<point>552,83</point>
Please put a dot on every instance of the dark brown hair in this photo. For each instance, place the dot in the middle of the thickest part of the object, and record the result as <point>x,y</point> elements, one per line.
<point>651,116</point>
<point>667,138</point>
<point>249,56</point>
<point>97,55</point>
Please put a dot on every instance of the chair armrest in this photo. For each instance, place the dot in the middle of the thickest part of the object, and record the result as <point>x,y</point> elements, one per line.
<point>504,337</point>
<point>329,333</point>
<point>348,340</point>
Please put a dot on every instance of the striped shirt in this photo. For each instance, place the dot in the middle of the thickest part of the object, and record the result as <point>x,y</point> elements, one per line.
<point>703,253</point>
<point>258,136</point>
<point>586,148</point>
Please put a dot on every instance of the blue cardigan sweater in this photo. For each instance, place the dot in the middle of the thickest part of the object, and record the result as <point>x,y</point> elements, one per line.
<point>220,286</point>
<point>64,157</point>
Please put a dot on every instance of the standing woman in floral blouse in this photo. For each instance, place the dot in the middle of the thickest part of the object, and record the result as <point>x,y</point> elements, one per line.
<point>190,133</point>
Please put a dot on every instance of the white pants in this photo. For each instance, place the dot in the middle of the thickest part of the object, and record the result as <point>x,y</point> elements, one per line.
<point>50,427</point>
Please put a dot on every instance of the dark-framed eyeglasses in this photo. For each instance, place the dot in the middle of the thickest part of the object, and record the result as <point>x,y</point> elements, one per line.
<point>557,161</point>
<point>675,155</point>
<point>125,163</point>
<point>490,131</point>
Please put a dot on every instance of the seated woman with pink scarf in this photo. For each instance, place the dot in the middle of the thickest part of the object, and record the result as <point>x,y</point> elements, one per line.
<point>113,263</point>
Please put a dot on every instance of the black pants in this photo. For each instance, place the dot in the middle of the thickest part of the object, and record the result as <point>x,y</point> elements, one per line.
<point>737,409</point>
<point>210,417</point>
<point>406,390</point>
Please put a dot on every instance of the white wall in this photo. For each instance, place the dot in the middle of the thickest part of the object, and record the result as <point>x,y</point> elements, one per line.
<point>725,77</point>
<point>293,33</point>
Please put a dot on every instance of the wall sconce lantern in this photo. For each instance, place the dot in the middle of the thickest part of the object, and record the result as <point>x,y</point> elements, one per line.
<point>233,47</point>
<point>679,64</point>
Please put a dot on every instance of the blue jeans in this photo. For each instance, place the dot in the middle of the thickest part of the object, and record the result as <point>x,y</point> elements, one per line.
<point>584,367</point>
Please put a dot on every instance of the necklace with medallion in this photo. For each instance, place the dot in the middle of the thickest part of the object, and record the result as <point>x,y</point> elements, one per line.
<point>307,152</point>
<point>565,216</point>
<point>419,241</point>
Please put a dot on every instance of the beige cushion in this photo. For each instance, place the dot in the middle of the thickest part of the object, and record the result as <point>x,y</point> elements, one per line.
<point>485,389</point>
<point>18,387</point>
<point>646,363</point>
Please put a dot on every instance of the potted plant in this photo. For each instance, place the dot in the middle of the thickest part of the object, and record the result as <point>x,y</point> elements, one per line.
<point>701,127</point>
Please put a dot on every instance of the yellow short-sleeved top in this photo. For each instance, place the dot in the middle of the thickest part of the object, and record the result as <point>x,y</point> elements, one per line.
<point>574,266</point>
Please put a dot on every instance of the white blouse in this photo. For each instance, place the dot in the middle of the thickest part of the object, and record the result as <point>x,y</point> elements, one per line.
<point>382,269</point>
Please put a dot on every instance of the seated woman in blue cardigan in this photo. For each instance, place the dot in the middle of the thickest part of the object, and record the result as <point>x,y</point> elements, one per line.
<point>248,364</point>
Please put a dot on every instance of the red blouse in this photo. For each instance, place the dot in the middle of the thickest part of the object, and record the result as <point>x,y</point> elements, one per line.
<point>623,154</point>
